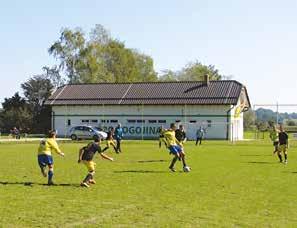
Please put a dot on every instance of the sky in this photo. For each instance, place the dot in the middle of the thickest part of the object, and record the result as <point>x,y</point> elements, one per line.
<point>252,41</point>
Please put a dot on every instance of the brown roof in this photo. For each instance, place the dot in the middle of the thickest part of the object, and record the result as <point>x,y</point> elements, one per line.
<point>156,93</point>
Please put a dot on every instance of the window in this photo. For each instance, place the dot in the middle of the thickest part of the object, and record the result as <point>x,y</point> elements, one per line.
<point>152,121</point>
<point>208,123</point>
<point>68,122</point>
<point>94,121</point>
<point>85,121</point>
<point>87,129</point>
<point>161,121</point>
<point>140,121</point>
<point>177,121</point>
<point>103,121</point>
<point>114,121</point>
<point>131,121</point>
<point>192,121</point>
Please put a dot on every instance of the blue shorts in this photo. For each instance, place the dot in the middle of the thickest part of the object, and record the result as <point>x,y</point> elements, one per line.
<point>176,149</point>
<point>44,160</point>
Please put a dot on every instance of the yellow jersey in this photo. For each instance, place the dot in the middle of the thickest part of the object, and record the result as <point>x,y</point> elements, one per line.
<point>47,146</point>
<point>169,136</point>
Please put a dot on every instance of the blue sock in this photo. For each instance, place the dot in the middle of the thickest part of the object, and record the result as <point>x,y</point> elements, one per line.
<point>50,175</point>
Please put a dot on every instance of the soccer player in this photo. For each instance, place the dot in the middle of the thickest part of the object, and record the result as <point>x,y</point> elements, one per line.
<point>199,135</point>
<point>110,141</point>
<point>86,155</point>
<point>45,149</point>
<point>174,147</point>
<point>161,136</point>
<point>180,134</point>
<point>274,138</point>
<point>118,134</point>
<point>283,144</point>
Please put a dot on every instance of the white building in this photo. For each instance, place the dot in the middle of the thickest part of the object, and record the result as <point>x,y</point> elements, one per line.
<point>142,108</point>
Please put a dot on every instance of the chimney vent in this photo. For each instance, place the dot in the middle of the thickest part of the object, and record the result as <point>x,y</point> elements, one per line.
<point>206,80</point>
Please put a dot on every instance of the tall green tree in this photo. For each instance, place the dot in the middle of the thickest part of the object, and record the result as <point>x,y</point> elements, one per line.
<point>67,50</point>
<point>144,67</point>
<point>37,90</point>
<point>100,58</point>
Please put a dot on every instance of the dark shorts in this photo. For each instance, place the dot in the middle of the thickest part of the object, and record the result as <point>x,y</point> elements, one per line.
<point>175,149</point>
<point>44,160</point>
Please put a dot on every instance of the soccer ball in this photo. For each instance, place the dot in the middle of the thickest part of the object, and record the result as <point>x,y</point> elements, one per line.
<point>187,169</point>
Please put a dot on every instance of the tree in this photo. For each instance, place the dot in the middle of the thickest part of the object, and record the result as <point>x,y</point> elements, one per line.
<point>193,71</point>
<point>16,113</point>
<point>53,74</point>
<point>168,75</point>
<point>100,59</point>
<point>67,50</point>
<point>291,123</point>
<point>145,67</point>
<point>37,90</point>
<point>248,119</point>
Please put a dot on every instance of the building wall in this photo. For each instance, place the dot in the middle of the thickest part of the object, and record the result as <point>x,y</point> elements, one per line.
<point>143,121</point>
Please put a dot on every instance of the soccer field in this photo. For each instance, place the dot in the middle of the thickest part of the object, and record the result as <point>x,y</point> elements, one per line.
<point>229,185</point>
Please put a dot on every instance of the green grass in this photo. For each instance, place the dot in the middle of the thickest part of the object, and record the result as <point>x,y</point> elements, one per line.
<point>240,185</point>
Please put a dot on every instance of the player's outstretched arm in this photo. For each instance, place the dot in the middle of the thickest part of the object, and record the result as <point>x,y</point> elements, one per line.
<point>80,154</point>
<point>106,157</point>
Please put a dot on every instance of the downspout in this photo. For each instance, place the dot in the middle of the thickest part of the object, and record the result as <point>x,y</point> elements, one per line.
<point>229,120</point>
<point>53,119</point>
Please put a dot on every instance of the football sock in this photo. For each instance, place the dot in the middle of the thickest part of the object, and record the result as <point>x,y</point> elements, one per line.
<point>105,149</point>
<point>50,175</point>
<point>286,156</point>
<point>88,177</point>
<point>280,157</point>
<point>183,161</point>
<point>173,162</point>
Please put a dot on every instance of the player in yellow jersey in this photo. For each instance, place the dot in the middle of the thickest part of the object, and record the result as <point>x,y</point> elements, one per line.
<point>110,141</point>
<point>45,149</point>
<point>174,147</point>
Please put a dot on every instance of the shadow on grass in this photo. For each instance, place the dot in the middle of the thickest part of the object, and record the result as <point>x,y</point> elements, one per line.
<point>143,171</point>
<point>254,155</point>
<point>148,161</point>
<point>260,162</point>
<point>294,172</point>
<point>31,184</point>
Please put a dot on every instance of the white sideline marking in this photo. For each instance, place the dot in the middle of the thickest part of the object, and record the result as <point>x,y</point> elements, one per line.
<point>95,219</point>
<point>29,139</point>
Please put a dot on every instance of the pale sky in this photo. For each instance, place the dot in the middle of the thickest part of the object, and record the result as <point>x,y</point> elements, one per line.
<point>254,41</point>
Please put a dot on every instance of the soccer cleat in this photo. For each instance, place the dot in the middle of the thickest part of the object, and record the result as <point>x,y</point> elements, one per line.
<point>43,172</point>
<point>286,162</point>
<point>84,184</point>
<point>50,183</point>
<point>172,169</point>
<point>92,181</point>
